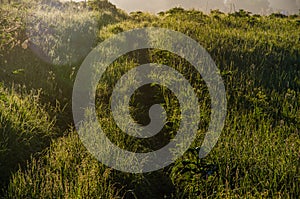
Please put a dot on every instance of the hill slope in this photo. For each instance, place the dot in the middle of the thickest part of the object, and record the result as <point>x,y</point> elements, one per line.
<point>257,155</point>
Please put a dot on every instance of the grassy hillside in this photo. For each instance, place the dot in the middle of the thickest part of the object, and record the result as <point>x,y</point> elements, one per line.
<point>257,155</point>
<point>44,42</point>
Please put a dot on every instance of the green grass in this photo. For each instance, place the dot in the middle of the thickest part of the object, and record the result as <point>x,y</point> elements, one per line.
<point>257,155</point>
<point>73,174</point>
<point>26,129</point>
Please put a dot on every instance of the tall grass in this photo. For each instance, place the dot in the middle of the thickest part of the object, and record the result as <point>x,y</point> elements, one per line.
<point>44,42</point>
<point>26,129</point>
<point>73,174</point>
<point>257,155</point>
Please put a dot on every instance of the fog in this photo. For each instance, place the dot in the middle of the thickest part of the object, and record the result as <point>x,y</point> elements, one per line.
<point>255,6</point>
